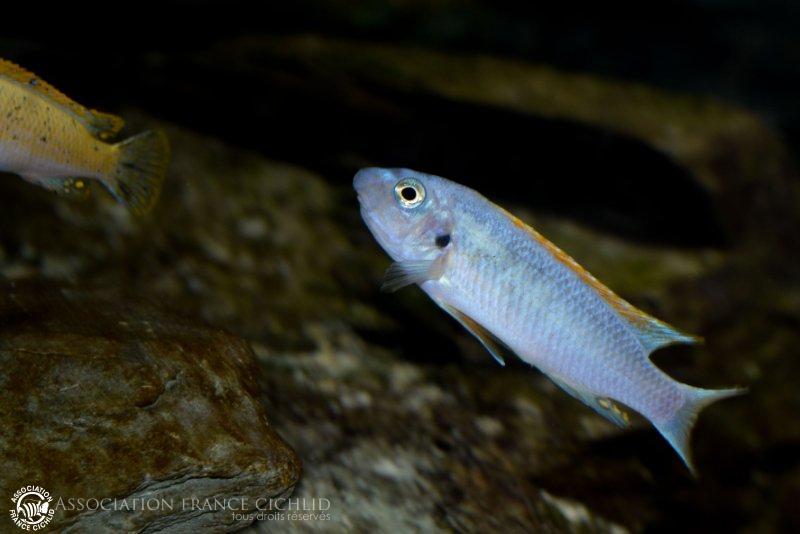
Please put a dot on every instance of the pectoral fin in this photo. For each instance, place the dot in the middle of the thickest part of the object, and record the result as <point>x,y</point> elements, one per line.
<point>602,405</point>
<point>491,343</point>
<point>404,273</point>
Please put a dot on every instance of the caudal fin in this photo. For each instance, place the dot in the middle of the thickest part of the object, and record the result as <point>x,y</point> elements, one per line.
<point>136,181</point>
<point>678,429</point>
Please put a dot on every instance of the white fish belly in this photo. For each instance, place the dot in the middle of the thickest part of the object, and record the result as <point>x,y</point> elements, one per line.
<point>13,156</point>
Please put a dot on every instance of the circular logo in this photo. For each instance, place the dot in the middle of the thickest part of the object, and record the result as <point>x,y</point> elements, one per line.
<point>31,508</point>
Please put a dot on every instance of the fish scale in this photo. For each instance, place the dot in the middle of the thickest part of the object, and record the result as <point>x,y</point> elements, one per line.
<point>503,281</point>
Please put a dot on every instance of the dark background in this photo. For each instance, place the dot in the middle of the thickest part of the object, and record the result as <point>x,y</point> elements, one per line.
<point>156,57</point>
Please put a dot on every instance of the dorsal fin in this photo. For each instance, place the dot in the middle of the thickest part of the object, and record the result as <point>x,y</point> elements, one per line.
<point>652,332</point>
<point>102,125</point>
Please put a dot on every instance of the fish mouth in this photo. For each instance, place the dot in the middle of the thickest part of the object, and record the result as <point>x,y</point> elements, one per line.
<point>378,231</point>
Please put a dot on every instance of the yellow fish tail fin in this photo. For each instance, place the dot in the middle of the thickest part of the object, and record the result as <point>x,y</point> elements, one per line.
<point>142,165</point>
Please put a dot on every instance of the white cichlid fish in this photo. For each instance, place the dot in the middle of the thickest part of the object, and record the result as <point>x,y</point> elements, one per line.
<point>503,281</point>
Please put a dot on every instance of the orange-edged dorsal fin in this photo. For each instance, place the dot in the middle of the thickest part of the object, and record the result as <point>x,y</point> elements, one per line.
<point>102,125</point>
<point>652,332</point>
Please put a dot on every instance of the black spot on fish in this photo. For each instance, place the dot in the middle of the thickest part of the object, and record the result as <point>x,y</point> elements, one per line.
<point>442,240</point>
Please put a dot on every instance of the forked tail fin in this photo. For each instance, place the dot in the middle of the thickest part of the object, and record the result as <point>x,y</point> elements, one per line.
<point>136,180</point>
<point>678,429</point>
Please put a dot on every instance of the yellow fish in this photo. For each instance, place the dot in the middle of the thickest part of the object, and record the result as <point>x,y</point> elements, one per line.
<point>52,141</point>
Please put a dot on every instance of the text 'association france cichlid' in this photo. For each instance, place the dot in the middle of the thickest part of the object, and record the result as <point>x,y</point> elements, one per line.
<point>503,281</point>
<point>56,143</point>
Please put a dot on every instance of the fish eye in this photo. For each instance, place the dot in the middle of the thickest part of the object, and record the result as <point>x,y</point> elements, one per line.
<point>409,192</point>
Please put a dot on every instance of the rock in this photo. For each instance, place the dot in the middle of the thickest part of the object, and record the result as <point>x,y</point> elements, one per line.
<point>107,397</point>
<point>442,99</point>
<point>413,455</point>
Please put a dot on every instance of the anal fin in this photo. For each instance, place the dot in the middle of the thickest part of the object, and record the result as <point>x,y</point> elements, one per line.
<point>51,184</point>
<point>78,187</point>
<point>602,405</point>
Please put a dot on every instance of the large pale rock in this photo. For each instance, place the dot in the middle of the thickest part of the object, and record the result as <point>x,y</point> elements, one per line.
<point>740,169</point>
<point>104,397</point>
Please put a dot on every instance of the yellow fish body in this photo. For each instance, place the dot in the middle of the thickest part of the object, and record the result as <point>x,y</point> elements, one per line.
<point>54,142</point>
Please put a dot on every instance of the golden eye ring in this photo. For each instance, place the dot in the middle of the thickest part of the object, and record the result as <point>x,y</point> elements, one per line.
<point>409,192</point>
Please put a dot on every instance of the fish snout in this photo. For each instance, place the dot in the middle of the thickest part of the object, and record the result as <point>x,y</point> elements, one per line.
<point>364,177</point>
<point>370,187</point>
